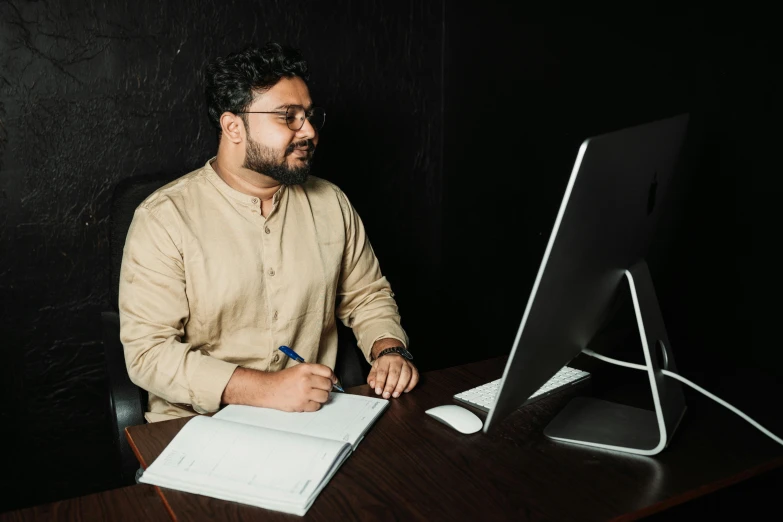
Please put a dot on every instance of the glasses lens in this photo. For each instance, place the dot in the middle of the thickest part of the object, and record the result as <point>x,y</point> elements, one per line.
<point>317,117</point>
<point>295,116</point>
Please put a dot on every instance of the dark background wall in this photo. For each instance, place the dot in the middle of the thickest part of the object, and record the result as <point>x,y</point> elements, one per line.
<point>93,92</point>
<point>459,209</point>
<point>713,267</point>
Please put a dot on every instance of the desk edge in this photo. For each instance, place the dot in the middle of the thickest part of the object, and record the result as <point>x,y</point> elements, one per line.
<point>700,491</point>
<point>145,466</point>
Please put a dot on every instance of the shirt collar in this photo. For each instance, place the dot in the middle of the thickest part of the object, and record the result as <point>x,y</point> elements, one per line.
<point>231,192</point>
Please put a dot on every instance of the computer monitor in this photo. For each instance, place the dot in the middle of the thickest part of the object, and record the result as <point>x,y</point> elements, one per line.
<point>601,235</point>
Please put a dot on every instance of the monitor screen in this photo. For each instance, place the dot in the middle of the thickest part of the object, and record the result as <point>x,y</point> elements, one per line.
<point>601,235</point>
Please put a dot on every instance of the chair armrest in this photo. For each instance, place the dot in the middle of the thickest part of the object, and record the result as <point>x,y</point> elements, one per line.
<point>127,402</point>
<point>351,367</point>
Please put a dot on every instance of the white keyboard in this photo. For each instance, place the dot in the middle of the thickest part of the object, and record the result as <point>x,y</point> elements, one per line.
<point>483,397</point>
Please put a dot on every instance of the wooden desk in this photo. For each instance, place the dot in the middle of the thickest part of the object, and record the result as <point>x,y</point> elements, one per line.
<point>411,467</point>
<point>139,502</point>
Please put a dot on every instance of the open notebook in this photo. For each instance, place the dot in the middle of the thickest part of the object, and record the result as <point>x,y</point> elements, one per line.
<point>262,457</point>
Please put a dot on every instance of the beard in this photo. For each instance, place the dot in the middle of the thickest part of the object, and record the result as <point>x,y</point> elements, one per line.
<point>263,160</point>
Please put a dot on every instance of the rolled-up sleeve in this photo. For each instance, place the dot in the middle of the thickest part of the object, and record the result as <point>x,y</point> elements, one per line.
<point>365,298</point>
<point>154,309</point>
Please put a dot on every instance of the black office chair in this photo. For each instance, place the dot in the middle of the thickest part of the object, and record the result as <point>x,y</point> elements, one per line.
<point>128,402</point>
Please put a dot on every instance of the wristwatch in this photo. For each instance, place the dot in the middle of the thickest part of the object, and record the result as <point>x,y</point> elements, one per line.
<point>398,350</point>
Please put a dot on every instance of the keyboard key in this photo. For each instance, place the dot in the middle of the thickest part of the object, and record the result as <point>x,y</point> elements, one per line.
<point>482,397</point>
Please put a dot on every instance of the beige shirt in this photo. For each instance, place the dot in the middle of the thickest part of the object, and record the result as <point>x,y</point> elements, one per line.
<point>209,284</point>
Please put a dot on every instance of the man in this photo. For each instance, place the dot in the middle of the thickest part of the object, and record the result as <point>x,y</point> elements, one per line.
<point>228,263</point>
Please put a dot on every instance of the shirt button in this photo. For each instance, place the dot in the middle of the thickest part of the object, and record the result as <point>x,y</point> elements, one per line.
<point>274,317</point>
<point>276,357</point>
<point>254,200</point>
<point>266,229</point>
<point>271,271</point>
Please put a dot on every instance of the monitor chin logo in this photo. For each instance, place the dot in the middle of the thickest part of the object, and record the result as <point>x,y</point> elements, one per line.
<point>651,193</point>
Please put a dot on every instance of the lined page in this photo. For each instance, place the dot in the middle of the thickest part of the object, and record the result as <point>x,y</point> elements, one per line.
<point>344,417</point>
<point>244,463</point>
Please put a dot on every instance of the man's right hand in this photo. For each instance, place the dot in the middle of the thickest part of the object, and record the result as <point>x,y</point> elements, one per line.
<point>303,387</point>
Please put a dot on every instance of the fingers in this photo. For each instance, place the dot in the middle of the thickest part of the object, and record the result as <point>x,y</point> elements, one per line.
<point>380,375</point>
<point>319,396</point>
<point>393,376</point>
<point>405,377</point>
<point>320,383</point>
<point>312,406</point>
<point>320,369</point>
<point>414,379</point>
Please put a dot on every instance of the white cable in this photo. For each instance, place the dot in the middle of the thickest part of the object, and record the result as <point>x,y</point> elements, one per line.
<point>720,401</point>
<point>724,403</point>
<point>614,361</point>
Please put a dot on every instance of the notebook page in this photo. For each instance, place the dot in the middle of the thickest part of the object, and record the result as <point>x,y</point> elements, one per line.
<point>265,468</point>
<point>344,417</point>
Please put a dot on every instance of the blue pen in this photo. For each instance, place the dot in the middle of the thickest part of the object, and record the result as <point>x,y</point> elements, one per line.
<point>295,356</point>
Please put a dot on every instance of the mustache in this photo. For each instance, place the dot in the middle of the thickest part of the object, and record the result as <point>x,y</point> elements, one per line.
<point>307,145</point>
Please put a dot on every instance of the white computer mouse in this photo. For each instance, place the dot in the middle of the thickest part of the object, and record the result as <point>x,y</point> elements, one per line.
<point>459,418</point>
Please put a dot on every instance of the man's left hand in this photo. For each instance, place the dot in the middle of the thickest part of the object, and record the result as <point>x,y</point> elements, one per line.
<point>392,375</point>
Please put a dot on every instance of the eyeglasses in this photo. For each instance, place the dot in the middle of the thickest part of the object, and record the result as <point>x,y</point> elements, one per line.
<point>295,116</point>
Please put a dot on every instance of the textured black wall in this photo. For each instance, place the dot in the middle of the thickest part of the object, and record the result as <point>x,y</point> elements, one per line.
<point>94,92</point>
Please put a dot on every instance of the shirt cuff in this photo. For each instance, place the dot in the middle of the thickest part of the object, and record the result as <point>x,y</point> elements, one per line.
<point>387,331</point>
<point>208,383</point>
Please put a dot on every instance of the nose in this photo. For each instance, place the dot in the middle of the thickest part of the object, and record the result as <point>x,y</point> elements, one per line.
<point>307,132</point>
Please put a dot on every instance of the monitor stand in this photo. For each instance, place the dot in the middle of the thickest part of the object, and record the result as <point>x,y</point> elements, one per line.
<point>608,425</point>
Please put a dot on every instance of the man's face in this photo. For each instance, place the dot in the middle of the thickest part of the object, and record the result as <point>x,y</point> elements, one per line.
<point>272,148</point>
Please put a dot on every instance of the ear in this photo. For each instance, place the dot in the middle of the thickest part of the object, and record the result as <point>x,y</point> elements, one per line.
<point>233,127</point>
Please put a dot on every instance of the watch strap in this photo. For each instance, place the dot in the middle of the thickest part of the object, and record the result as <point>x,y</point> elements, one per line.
<point>396,350</point>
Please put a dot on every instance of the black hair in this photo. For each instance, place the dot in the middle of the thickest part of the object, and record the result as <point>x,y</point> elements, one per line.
<point>232,81</point>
